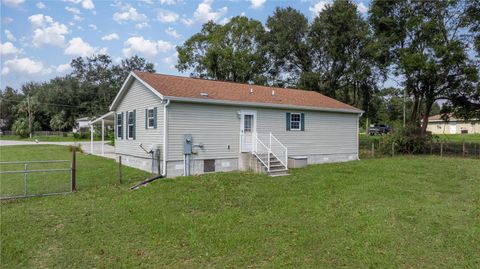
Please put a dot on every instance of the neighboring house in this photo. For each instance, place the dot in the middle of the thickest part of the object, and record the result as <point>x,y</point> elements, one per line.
<point>437,125</point>
<point>184,126</point>
<point>82,125</point>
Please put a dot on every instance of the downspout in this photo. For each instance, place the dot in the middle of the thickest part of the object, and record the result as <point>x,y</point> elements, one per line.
<point>165,140</point>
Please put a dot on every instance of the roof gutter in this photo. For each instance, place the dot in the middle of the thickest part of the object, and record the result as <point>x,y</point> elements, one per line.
<point>267,105</point>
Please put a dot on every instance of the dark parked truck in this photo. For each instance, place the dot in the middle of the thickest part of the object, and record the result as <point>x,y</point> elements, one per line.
<point>379,129</point>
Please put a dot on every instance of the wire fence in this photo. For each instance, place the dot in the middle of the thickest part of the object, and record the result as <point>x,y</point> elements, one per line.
<point>378,149</point>
<point>24,179</point>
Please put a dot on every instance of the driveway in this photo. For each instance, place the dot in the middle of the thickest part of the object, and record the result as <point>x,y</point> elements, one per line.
<point>109,151</point>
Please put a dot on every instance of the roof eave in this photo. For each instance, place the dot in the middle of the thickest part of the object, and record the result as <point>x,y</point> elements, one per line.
<point>256,104</point>
<point>124,87</point>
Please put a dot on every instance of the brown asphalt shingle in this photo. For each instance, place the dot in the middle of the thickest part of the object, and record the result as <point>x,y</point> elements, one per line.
<point>176,86</point>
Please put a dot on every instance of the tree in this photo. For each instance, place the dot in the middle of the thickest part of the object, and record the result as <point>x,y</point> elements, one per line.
<point>231,52</point>
<point>340,41</point>
<point>288,47</point>
<point>9,99</point>
<point>423,43</point>
<point>100,80</point>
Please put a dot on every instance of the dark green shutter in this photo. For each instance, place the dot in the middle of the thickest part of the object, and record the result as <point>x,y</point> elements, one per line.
<point>288,121</point>
<point>302,121</point>
<point>146,118</point>
<point>121,124</point>
<point>134,123</point>
<point>155,117</point>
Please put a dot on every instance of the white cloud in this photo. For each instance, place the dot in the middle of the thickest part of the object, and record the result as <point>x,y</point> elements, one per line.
<point>93,26</point>
<point>204,12</point>
<point>8,48</point>
<point>9,35</point>
<point>47,31</point>
<point>63,68</point>
<point>24,66</point>
<point>319,7</point>
<point>167,2</point>
<point>78,47</point>
<point>172,32</point>
<point>167,16</point>
<point>40,5</point>
<point>142,25</point>
<point>256,4</point>
<point>77,18</point>
<point>110,37</point>
<point>187,21</point>
<point>86,4</point>
<point>149,2</point>
<point>171,59</point>
<point>149,48</point>
<point>13,3</point>
<point>362,8</point>
<point>7,20</point>
<point>128,13</point>
<point>73,10</point>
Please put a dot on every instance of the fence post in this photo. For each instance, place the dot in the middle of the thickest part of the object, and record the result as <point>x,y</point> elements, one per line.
<point>25,179</point>
<point>373,149</point>
<point>120,169</point>
<point>393,149</point>
<point>73,176</point>
<point>463,148</point>
<point>441,149</point>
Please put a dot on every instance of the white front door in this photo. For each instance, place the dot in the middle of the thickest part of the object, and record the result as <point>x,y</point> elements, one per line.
<point>247,128</point>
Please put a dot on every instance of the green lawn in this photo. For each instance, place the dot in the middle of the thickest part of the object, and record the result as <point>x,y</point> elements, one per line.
<point>402,212</point>
<point>52,138</point>
<point>473,138</point>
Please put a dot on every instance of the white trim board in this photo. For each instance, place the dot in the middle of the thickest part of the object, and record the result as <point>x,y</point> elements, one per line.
<point>124,87</point>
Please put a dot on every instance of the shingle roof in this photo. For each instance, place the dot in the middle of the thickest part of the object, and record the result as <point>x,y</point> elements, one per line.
<point>185,87</point>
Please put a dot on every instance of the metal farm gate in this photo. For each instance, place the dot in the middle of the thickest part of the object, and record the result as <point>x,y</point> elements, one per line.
<point>37,178</point>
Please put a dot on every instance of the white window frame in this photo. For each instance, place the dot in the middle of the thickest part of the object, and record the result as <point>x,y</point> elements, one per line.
<point>299,121</point>
<point>130,134</point>
<point>152,117</point>
<point>119,134</point>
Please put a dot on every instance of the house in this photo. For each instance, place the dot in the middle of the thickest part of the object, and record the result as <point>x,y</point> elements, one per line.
<point>81,125</point>
<point>181,126</point>
<point>437,125</point>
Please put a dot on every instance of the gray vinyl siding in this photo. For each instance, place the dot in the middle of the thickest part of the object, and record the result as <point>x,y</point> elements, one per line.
<point>218,127</point>
<point>139,97</point>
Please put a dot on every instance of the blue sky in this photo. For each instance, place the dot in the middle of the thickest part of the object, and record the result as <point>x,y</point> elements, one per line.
<point>39,38</point>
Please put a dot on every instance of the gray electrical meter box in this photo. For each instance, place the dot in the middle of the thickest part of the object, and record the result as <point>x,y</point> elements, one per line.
<point>187,144</point>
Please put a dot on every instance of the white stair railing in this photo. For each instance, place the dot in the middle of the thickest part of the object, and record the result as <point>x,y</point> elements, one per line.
<point>279,150</point>
<point>264,152</point>
<point>261,151</point>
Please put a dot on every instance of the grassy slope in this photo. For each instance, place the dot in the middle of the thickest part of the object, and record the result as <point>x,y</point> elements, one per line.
<point>392,212</point>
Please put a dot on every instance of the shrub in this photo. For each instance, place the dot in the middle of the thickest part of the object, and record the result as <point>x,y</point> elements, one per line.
<point>406,141</point>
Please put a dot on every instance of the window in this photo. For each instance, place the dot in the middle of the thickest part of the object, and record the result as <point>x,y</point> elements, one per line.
<point>119,125</point>
<point>247,123</point>
<point>150,118</point>
<point>131,125</point>
<point>295,120</point>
